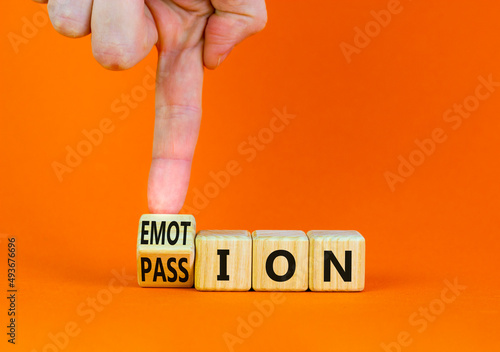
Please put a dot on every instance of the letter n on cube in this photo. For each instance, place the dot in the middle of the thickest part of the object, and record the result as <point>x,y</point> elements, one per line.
<point>336,260</point>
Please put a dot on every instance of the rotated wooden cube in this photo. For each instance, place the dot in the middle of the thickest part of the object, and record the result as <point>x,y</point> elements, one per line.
<point>280,260</point>
<point>336,260</point>
<point>223,260</point>
<point>166,250</point>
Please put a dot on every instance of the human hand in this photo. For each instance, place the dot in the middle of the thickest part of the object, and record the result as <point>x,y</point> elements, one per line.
<point>188,34</point>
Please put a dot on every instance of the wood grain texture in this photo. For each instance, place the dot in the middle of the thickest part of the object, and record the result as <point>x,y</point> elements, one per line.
<point>265,242</point>
<point>338,242</point>
<point>238,276</point>
<point>166,250</point>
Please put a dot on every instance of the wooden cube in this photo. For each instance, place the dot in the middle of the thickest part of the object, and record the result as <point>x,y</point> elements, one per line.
<point>280,260</point>
<point>223,260</point>
<point>165,250</point>
<point>336,261</point>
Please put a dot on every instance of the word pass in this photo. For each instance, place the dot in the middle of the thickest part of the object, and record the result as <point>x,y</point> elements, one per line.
<point>171,254</point>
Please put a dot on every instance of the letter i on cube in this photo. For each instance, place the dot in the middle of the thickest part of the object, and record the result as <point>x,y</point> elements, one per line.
<point>223,260</point>
<point>166,250</point>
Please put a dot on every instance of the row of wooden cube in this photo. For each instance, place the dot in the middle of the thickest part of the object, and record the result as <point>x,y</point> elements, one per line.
<point>235,260</point>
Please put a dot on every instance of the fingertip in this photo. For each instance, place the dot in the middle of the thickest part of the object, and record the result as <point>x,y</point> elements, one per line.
<point>167,185</point>
<point>70,20</point>
<point>113,57</point>
<point>158,209</point>
<point>210,64</point>
<point>213,61</point>
<point>123,33</point>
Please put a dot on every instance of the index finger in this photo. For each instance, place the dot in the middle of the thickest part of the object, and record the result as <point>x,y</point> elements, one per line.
<point>177,123</point>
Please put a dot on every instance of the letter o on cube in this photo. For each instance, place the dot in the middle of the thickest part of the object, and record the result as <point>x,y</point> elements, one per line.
<point>280,260</point>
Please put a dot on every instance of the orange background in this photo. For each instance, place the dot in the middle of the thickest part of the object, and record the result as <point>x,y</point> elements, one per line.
<point>323,171</point>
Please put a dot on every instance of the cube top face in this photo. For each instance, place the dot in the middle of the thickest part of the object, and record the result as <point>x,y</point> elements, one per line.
<point>223,260</point>
<point>336,260</point>
<point>166,250</point>
<point>281,235</point>
<point>280,260</point>
<point>226,235</point>
<point>335,235</point>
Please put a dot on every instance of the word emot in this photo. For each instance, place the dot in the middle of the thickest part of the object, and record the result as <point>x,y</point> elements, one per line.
<point>235,260</point>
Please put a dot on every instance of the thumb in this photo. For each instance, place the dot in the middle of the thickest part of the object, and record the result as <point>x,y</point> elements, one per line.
<point>229,25</point>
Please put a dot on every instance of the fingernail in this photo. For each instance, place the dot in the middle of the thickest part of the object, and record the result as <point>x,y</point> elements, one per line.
<point>223,57</point>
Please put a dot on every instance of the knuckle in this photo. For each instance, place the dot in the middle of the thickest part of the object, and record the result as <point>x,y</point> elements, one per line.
<point>67,20</point>
<point>113,56</point>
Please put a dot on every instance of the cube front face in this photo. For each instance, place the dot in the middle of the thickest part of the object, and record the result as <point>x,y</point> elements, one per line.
<point>223,260</point>
<point>336,260</point>
<point>166,250</point>
<point>280,260</point>
<point>165,268</point>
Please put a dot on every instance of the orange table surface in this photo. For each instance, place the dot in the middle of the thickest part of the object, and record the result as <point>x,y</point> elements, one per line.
<point>355,153</point>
